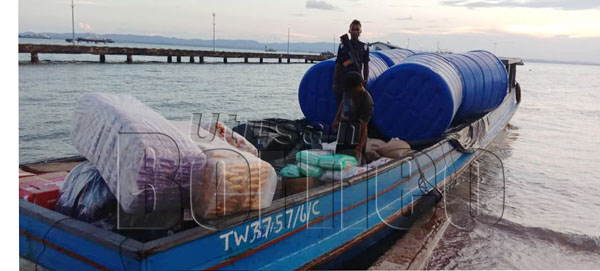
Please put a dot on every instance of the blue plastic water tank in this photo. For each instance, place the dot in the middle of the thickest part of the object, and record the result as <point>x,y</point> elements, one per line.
<point>418,98</point>
<point>484,79</point>
<point>394,56</point>
<point>315,93</point>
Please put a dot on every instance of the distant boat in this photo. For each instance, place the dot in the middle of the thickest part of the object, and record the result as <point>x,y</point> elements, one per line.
<point>31,35</point>
<point>269,49</point>
<point>94,40</point>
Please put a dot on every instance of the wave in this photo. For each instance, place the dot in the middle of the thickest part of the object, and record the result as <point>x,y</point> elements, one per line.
<point>577,242</point>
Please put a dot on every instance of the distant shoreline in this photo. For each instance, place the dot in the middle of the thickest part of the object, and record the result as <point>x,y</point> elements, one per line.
<point>308,47</point>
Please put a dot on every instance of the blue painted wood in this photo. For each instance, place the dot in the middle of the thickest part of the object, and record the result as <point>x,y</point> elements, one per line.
<point>351,218</point>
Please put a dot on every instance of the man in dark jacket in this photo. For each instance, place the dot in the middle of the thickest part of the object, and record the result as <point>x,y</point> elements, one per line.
<point>352,55</point>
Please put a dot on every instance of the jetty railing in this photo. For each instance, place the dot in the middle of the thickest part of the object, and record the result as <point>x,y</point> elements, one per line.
<point>129,52</point>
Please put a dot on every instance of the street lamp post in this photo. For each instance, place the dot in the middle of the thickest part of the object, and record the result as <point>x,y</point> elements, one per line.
<point>214,31</point>
<point>288,48</point>
<point>73,21</point>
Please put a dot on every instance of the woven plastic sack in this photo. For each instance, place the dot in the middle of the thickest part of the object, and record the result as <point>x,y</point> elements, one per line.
<point>144,160</point>
<point>233,185</point>
<point>310,157</point>
<point>291,171</point>
<point>310,171</point>
<point>337,161</point>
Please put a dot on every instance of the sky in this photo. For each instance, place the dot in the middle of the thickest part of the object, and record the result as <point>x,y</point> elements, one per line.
<point>543,29</point>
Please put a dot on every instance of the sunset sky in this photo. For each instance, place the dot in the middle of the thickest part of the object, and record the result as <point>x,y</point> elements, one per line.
<point>546,29</point>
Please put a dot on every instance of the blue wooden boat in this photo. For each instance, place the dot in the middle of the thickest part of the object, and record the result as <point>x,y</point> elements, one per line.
<point>320,228</point>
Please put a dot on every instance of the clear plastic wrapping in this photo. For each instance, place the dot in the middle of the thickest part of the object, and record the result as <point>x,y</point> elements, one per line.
<point>144,160</point>
<point>232,185</point>
<point>234,180</point>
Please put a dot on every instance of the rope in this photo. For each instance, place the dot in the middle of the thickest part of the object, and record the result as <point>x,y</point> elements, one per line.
<point>44,239</point>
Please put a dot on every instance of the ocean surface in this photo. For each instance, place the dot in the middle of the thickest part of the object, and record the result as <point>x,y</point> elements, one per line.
<point>549,218</point>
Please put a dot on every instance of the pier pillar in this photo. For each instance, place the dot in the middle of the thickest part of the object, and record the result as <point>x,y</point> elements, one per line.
<point>201,60</point>
<point>178,59</point>
<point>224,60</point>
<point>311,61</point>
<point>288,60</point>
<point>305,60</point>
<point>129,58</point>
<point>245,60</point>
<point>261,60</point>
<point>102,58</point>
<point>34,57</point>
<point>169,59</point>
<point>191,59</point>
<point>280,60</point>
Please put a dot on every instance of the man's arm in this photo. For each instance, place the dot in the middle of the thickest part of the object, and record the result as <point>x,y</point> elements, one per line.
<point>365,74</point>
<point>336,121</point>
<point>336,73</point>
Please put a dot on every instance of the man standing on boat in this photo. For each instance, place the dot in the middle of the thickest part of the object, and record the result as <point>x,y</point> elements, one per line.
<point>353,55</point>
<point>353,115</point>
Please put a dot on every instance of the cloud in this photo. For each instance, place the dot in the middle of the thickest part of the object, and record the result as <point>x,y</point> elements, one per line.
<point>91,3</point>
<point>84,26</point>
<point>297,14</point>
<point>555,4</point>
<point>319,5</point>
<point>409,18</point>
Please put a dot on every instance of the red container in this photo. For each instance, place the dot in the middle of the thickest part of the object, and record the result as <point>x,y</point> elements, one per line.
<point>42,189</point>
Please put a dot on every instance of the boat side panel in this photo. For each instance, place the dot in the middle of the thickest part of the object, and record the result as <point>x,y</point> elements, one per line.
<point>353,221</point>
<point>64,250</point>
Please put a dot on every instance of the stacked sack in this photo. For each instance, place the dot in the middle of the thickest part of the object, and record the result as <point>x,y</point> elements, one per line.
<point>235,179</point>
<point>144,160</point>
<point>315,93</point>
<point>152,164</point>
<point>318,163</point>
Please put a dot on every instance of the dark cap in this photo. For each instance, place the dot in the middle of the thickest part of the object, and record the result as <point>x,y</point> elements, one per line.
<point>352,79</point>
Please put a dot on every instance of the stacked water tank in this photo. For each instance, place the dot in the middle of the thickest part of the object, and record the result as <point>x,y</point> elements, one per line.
<point>419,95</point>
<point>315,95</point>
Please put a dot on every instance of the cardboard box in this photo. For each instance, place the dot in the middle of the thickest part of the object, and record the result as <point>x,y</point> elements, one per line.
<point>23,174</point>
<point>48,177</point>
<point>42,189</point>
<point>293,186</point>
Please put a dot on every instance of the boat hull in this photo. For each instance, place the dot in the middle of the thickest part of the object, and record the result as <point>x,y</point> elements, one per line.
<point>320,229</point>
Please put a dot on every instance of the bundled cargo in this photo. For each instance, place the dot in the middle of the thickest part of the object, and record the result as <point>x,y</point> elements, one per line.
<point>310,157</point>
<point>42,189</point>
<point>85,195</point>
<point>310,170</point>
<point>394,56</point>
<point>484,80</point>
<point>337,161</point>
<point>418,98</point>
<point>290,171</point>
<point>232,185</point>
<point>232,138</point>
<point>235,179</point>
<point>315,94</point>
<point>146,162</point>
